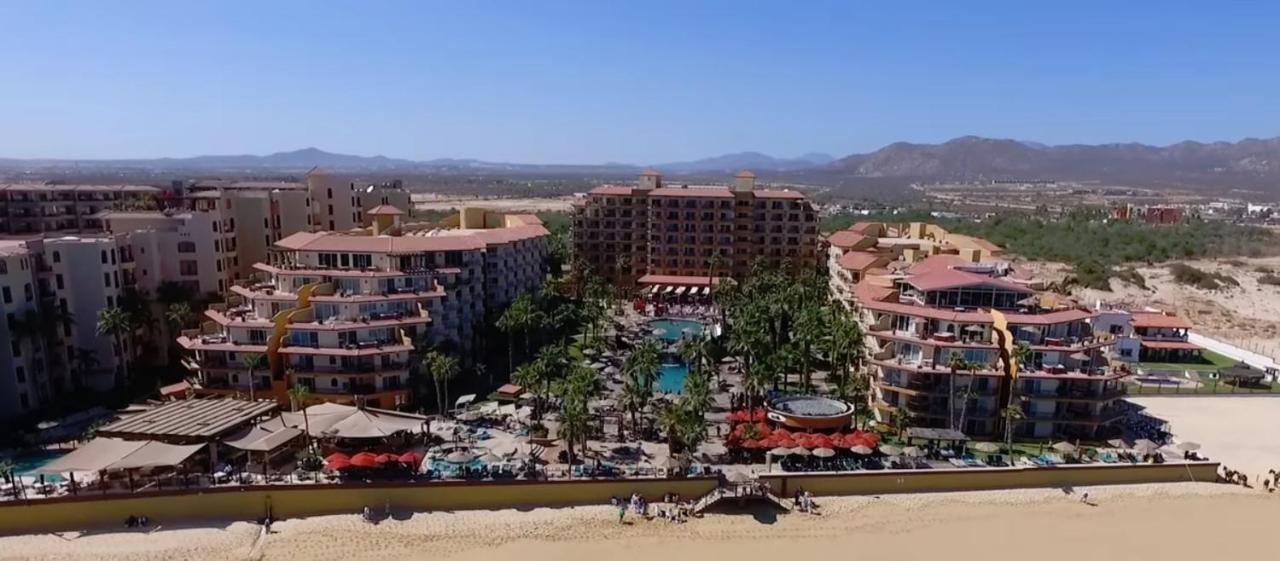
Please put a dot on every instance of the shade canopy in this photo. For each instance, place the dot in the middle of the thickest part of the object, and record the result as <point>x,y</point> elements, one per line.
<point>1188,446</point>
<point>461,401</point>
<point>1064,447</point>
<point>262,439</point>
<point>1241,371</point>
<point>346,421</point>
<point>925,433</point>
<point>987,447</point>
<point>106,454</point>
<point>824,452</point>
<point>189,419</point>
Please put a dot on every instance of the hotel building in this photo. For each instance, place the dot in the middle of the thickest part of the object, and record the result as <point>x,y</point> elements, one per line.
<point>926,309</point>
<point>35,209</point>
<point>339,202</point>
<point>626,232</point>
<point>77,276</point>
<point>342,313</point>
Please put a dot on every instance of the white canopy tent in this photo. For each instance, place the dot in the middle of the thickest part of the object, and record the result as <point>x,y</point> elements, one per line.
<point>107,454</point>
<point>346,421</point>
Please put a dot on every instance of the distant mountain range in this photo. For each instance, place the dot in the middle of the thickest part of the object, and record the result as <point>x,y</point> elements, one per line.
<point>972,158</point>
<point>1254,162</point>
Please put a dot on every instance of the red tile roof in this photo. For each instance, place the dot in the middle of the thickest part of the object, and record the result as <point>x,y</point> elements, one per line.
<point>1049,318</point>
<point>526,219</point>
<point>859,260</point>
<point>934,263</point>
<point>952,278</point>
<point>866,228</point>
<point>865,292</point>
<point>1159,320</point>
<point>845,239</point>
<point>699,192</point>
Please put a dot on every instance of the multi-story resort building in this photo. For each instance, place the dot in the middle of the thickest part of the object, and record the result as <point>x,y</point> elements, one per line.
<point>693,232</point>
<point>50,293</point>
<point>36,208</point>
<point>929,328</point>
<point>341,313</point>
<point>339,202</point>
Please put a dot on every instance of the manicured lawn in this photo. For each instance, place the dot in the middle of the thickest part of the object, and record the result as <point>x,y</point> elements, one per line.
<point>1210,361</point>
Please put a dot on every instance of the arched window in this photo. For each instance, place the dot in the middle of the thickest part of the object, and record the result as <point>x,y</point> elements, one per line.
<point>186,247</point>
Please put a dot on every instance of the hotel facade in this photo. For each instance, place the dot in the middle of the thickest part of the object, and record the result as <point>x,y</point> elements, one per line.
<point>694,232</point>
<point>342,313</point>
<point>926,308</point>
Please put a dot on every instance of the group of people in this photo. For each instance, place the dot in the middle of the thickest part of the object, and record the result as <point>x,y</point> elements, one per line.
<point>135,521</point>
<point>678,511</point>
<point>803,502</point>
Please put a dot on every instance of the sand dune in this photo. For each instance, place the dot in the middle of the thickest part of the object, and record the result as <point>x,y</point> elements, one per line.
<point>1129,522</point>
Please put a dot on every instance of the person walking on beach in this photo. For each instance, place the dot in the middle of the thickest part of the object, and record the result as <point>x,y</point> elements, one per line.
<point>622,512</point>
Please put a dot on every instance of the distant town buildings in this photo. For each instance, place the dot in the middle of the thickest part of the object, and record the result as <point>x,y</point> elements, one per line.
<point>693,231</point>
<point>36,208</point>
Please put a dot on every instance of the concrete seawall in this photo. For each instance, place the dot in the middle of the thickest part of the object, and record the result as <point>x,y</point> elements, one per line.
<point>291,501</point>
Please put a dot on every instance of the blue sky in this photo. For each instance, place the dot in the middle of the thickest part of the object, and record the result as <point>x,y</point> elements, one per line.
<point>642,81</point>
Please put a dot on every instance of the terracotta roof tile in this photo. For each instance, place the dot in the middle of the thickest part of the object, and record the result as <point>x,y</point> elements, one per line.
<point>859,260</point>
<point>845,239</point>
<point>952,278</point>
<point>1159,320</point>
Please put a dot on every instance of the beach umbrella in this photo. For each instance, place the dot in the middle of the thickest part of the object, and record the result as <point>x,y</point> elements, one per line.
<point>912,452</point>
<point>491,458</point>
<point>364,460</point>
<point>798,451</point>
<point>751,444</point>
<point>459,457</point>
<point>1145,446</point>
<point>987,447</point>
<point>890,450</point>
<point>1188,446</point>
<point>824,452</point>
<point>821,441</point>
<point>384,459</point>
<point>337,464</point>
<point>1117,443</point>
<point>780,452</point>
<point>1064,447</point>
<point>860,450</point>
<point>782,432</point>
<point>337,456</point>
<point>410,458</point>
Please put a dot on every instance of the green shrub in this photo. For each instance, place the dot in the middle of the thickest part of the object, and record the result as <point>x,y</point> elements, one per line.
<point>1191,276</point>
<point>1269,278</point>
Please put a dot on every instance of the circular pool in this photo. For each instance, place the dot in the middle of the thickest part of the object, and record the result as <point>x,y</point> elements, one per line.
<point>811,412</point>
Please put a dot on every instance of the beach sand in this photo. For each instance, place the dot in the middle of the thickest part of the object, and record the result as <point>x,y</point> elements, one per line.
<point>1168,522</point>
<point>1236,431</point>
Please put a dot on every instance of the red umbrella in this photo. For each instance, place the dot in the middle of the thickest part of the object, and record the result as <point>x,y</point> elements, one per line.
<point>337,464</point>
<point>411,458</point>
<point>384,459</point>
<point>337,456</point>
<point>782,432</point>
<point>364,460</point>
<point>760,415</point>
<point>786,443</point>
<point>751,444</point>
<point>821,441</point>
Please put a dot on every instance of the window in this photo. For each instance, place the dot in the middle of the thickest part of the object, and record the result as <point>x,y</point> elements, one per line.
<point>57,256</point>
<point>217,246</point>
<point>4,267</point>
<point>21,374</point>
<point>26,404</point>
<point>188,268</point>
<point>57,280</point>
<point>104,257</point>
<point>26,292</point>
<point>16,346</point>
<point>106,280</point>
<point>8,296</point>
<point>186,247</point>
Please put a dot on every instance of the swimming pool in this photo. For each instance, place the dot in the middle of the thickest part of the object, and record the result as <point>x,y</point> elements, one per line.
<point>26,464</point>
<point>671,378</point>
<point>674,329</point>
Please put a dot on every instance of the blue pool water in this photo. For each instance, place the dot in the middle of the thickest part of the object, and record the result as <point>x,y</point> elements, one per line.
<point>27,463</point>
<point>674,329</point>
<point>671,378</point>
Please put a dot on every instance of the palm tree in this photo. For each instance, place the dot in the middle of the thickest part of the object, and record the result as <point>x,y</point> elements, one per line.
<point>645,362</point>
<point>956,363</point>
<point>901,419</point>
<point>179,315</point>
<point>298,396</point>
<point>576,391</point>
<point>515,318</point>
<point>697,392</point>
<point>83,361</point>
<point>635,397</point>
<point>115,322</point>
<point>251,362</point>
<point>531,375</point>
<point>809,332</point>
<point>1011,414</point>
<point>696,352</point>
<point>442,368</point>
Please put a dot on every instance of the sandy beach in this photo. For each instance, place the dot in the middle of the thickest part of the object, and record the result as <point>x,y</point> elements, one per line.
<point>1128,522</point>
<point>1230,429</point>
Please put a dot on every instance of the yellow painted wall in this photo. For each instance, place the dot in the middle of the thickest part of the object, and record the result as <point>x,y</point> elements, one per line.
<point>882,482</point>
<point>90,511</point>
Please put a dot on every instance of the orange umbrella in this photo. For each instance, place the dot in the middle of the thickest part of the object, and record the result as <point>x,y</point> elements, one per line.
<point>364,460</point>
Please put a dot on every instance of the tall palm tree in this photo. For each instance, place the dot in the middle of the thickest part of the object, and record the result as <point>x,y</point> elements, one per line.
<point>530,375</point>
<point>901,419</point>
<point>635,397</point>
<point>645,362</point>
<point>442,368</point>
<point>1011,414</point>
<point>696,352</point>
<point>251,362</point>
<point>116,323</point>
<point>83,361</point>
<point>298,396</point>
<point>512,320</point>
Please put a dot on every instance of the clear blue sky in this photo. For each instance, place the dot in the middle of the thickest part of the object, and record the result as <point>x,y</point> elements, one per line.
<point>640,81</point>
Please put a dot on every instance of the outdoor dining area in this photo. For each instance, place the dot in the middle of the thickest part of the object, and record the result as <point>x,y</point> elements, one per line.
<point>754,440</point>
